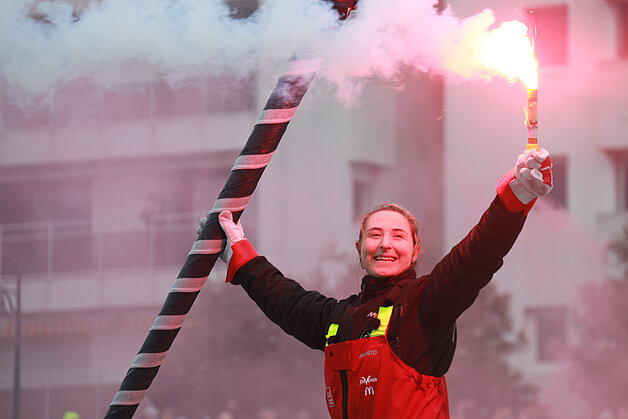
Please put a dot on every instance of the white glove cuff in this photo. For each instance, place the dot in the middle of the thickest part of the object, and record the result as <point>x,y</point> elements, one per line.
<point>522,193</point>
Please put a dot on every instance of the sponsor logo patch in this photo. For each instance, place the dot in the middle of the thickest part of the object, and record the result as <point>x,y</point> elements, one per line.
<point>368,390</point>
<point>368,380</point>
<point>370,352</point>
<point>329,397</point>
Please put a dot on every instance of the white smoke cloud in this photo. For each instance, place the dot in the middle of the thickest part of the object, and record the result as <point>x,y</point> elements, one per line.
<point>112,41</point>
<point>383,40</point>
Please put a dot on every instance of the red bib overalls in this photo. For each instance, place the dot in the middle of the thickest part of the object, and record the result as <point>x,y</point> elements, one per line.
<point>365,379</point>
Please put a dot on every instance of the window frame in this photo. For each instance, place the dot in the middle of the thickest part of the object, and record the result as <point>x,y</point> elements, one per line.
<point>544,14</point>
<point>543,352</point>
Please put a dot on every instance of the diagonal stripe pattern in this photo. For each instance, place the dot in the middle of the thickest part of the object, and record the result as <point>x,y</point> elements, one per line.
<point>235,195</point>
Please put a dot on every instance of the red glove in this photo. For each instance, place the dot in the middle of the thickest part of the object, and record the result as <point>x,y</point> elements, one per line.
<point>529,179</point>
<point>238,250</point>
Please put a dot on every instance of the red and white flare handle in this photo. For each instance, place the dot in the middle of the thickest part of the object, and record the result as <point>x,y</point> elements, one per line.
<point>532,121</point>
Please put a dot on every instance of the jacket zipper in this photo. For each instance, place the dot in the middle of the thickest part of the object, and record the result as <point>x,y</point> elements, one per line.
<point>343,373</point>
<point>345,393</point>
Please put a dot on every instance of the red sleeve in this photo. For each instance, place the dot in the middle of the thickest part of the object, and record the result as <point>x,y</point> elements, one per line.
<point>243,251</point>
<point>508,197</point>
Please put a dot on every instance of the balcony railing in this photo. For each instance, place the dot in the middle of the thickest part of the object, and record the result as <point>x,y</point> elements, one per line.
<point>57,247</point>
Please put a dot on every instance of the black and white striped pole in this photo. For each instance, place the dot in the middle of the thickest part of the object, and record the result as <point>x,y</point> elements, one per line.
<point>235,195</point>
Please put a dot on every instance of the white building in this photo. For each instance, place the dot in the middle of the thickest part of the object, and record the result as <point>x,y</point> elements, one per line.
<point>102,189</point>
<point>583,121</point>
<point>105,187</point>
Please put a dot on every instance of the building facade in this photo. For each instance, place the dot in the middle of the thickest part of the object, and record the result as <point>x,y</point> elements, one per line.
<point>583,122</point>
<point>101,191</point>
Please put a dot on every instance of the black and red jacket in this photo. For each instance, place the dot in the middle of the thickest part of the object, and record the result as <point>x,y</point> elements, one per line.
<point>422,330</point>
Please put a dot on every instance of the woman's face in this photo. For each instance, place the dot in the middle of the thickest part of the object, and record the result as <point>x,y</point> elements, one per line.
<point>387,248</point>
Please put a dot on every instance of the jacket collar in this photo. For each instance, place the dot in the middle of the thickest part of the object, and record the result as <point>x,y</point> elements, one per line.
<point>374,287</point>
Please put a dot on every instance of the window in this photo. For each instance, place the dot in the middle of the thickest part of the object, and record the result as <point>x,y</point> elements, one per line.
<point>127,102</point>
<point>558,196</point>
<point>361,197</point>
<point>75,103</point>
<point>17,116</point>
<point>550,43</point>
<point>45,200</point>
<point>242,9</point>
<point>550,333</point>
<point>622,29</point>
<point>45,225</point>
<point>230,94</point>
<point>621,182</point>
<point>364,174</point>
<point>192,97</point>
<point>179,100</point>
<point>171,218</point>
<point>172,229</point>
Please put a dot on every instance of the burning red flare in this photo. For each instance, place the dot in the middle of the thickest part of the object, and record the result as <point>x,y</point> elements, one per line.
<point>509,52</point>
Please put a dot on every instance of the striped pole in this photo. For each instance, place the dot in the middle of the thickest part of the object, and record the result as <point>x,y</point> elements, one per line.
<point>234,197</point>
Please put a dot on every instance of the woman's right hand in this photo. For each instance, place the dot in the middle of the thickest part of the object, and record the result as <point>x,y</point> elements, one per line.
<point>233,231</point>
<point>238,250</point>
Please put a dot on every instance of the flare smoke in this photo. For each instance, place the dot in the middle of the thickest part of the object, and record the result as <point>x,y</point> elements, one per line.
<point>44,45</point>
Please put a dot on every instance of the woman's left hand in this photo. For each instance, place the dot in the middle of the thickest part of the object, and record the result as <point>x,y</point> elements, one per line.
<point>531,178</point>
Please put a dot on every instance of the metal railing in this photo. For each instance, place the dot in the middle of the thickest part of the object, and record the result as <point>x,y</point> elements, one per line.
<point>59,247</point>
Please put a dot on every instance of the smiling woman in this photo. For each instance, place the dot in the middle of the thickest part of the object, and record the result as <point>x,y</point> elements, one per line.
<point>387,348</point>
<point>389,240</point>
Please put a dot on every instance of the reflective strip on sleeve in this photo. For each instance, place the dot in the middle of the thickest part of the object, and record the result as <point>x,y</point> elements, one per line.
<point>333,329</point>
